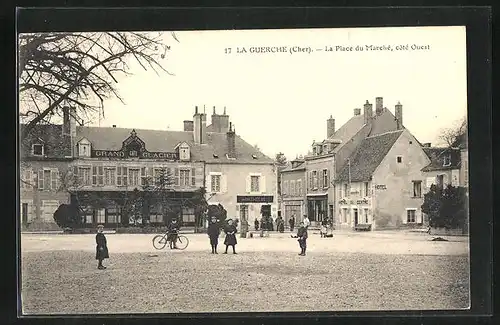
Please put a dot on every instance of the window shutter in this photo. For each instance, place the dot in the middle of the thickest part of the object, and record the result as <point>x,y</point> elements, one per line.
<point>405,217</point>
<point>176,176</point>
<point>328,178</point>
<point>119,176</point>
<point>94,175</point>
<point>248,184</point>
<point>262,184</point>
<point>208,183</point>
<point>321,185</point>
<point>40,179</point>
<point>223,183</point>
<point>418,216</point>
<point>193,176</point>
<point>54,174</point>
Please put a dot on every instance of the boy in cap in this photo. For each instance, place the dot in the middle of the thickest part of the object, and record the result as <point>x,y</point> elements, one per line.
<point>101,248</point>
<point>213,232</point>
<point>230,240</point>
<point>302,238</point>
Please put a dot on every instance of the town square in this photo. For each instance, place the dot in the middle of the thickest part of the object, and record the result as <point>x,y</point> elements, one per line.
<point>161,172</point>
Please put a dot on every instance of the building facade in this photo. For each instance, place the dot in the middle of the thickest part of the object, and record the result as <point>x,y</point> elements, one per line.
<point>293,191</point>
<point>104,170</point>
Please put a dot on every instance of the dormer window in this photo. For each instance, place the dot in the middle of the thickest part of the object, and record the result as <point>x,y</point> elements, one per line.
<point>38,149</point>
<point>215,155</point>
<point>447,160</point>
<point>84,148</point>
<point>254,156</point>
<point>314,151</point>
<point>184,153</point>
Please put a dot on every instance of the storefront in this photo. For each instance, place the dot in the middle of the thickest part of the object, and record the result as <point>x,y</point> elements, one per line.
<point>293,208</point>
<point>251,207</point>
<point>353,212</point>
<point>317,207</point>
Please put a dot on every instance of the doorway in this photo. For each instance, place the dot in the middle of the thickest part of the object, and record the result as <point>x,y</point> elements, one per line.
<point>355,217</point>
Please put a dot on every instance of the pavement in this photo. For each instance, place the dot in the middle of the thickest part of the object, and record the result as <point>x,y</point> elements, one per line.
<point>374,242</point>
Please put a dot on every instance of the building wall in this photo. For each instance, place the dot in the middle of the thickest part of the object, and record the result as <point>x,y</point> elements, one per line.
<point>40,199</point>
<point>293,196</point>
<point>235,181</point>
<point>393,187</point>
<point>359,196</point>
<point>319,165</point>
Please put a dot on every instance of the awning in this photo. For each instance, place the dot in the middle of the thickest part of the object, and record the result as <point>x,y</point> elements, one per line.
<point>317,194</point>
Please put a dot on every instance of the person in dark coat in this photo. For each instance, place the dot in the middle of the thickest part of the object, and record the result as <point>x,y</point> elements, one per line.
<point>173,232</point>
<point>302,238</point>
<point>230,240</point>
<point>213,232</point>
<point>101,248</point>
<point>291,222</point>
<point>256,224</point>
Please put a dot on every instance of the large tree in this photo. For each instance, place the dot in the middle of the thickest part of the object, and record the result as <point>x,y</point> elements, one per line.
<point>79,70</point>
<point>446,208</point>
<point>455,134</point>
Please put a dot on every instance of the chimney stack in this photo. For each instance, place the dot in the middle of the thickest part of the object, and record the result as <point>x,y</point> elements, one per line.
<point>224,122</point>
<point>69,121</point>
<point>330,127</point>
<point>368,112</point>
<point>188,126</point>
<point>426,145</point>
<point>199,126</point>
<point>379,105</point>
<point>399,115</point>
<point>231,142</point>
<point>357,111</point>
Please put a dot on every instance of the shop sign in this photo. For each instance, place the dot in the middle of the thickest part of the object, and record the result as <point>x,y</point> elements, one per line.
<point>380,187</point>
<point>134,154</point>
<point>254,199</point>
<point>359,201</point>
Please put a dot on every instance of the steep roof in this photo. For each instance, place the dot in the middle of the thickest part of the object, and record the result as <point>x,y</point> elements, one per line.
<point>437,156</point>
<point>383,123</point>
<point>108,138</point>
<point>348,130</point>
<point>56,146</point>
<point>368,156</point>
<point>295,165</point>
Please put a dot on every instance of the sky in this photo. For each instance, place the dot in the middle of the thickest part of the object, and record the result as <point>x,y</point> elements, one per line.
<point>280,101</point>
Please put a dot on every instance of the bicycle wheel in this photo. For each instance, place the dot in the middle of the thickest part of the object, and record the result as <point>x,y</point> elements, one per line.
<point>182,242</point>
<point>159,241</point>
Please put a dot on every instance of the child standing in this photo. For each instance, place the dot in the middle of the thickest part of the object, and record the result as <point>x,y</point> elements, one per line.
<point>302,238</point>
<point>101,248</point>
<point>230,240</point>
<point>213,232</point>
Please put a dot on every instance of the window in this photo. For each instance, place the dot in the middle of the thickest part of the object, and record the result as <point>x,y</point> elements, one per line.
<point>87,215</point>
<point>97,175</point>
<point>48,208</point>
<point>101,215</point>
<point>38,149</point>
<point>109,176</point>
<point>113,215</point>
<point>411,216</point>
<point>144,176</point>
<point>155,214</point>
<point>399,159</point>
<point>447,160</point>
<point>440,181</point>
<point>417,188</point>
<point>215,183</point>
<point>133,176</point>
<point>366,215</point>
<point>325,177</point>
<point>345,212</point>
<point>346,188</point>
<point>299,187</point>
<point>292,188</point>
<point>367,189</point>
<point>315,179</point>
<point>188,215</point>
<point>184,153</point>
<point>121,179</point>
<point>255,183</point>
<point>84,175</point>
<point>193,177</point>
<point>314,150</point>
<point>26,179</point>
<point>84,150</point>
<point>184,177</point>
<point>285,187</point>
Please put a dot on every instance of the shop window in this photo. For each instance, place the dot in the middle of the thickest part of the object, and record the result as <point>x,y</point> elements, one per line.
<point>188,215</point>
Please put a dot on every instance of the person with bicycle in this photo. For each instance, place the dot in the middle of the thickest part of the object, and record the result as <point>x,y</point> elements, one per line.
<point>172,233</point>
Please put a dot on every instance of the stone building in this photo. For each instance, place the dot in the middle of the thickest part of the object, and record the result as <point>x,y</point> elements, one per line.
<point>111,165</point>
<point>293,190</point>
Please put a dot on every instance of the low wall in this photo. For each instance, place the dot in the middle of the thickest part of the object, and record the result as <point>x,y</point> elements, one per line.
<point>447,232</point>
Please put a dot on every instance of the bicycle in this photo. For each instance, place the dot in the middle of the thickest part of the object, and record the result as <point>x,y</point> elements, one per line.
<point>160,241</point>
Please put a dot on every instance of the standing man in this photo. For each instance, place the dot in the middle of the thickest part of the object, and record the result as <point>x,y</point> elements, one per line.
<point>256,224</point>
<point>302,238</point>
<point>213,232</point>
<point>101,247</point>
<point>291,222</point>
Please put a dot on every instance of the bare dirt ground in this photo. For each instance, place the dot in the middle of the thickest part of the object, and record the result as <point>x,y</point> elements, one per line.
<point>352,271</point>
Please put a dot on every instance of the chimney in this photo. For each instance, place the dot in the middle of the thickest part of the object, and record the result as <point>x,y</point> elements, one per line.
<point>368,112</point>
<point>114,125</point>
<point>379,105</point>
<point>224,122</point>
<point>69,121</point>
<point>399,115</point>
<point>196,126</point>
<point>357,111</point>
<point>188,126</point>
<point>231,142</point>
<point>330,127</point>
<point>426,145</point>
<point>216,127</point>
<point>203,130</point>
